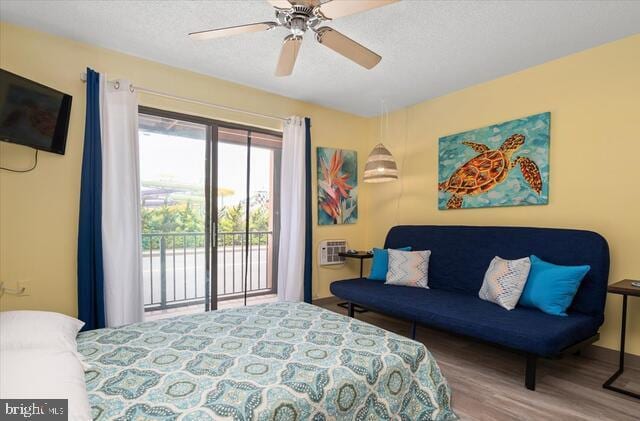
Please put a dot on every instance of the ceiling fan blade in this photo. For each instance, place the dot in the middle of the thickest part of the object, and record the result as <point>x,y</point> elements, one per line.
<point>288,55</point>
<point>287,4</point>
<point>233,30</point>
<point>338,8</point>
<point>344,45</point>
<point>280,4</point>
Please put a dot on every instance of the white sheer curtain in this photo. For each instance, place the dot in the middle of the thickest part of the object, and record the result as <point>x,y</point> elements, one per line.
<point>292,212</point>
<point>121,235</point>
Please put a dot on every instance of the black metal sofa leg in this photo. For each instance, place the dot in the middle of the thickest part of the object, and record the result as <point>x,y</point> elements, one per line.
<point>530,377</point>
<point>350,309</point>
<point>413,329</point>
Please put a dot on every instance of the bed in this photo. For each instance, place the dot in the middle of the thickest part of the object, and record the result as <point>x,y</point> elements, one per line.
<point>282,361</point>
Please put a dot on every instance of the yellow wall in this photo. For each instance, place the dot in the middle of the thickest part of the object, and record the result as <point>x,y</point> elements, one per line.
<point>594,100</point>
<point>39,210</point>
<point>592,96</point>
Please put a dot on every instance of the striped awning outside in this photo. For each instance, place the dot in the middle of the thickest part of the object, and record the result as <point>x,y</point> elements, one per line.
<point>380,166</point>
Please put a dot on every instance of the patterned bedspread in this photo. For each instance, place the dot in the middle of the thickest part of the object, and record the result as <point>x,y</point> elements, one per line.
<point>282,361</point>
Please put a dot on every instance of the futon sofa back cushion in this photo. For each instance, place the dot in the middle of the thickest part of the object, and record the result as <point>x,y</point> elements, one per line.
<point>460,255</point>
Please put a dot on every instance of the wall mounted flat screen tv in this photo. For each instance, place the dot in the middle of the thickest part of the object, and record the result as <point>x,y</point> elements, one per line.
<point>32,114</point>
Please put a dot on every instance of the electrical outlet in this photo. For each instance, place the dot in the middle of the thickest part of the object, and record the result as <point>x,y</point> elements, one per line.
<point>27,287</point>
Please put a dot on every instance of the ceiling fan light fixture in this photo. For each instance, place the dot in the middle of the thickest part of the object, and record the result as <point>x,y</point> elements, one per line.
<point>380,166</point>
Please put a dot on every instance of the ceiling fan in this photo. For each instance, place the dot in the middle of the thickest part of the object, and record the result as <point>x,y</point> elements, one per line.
<point>298,16</point>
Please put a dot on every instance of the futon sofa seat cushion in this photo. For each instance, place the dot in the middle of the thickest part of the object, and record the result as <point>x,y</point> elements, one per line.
<point>523,329</point>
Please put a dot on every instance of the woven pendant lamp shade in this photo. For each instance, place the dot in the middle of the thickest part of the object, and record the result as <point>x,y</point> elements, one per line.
<point>380,166</point>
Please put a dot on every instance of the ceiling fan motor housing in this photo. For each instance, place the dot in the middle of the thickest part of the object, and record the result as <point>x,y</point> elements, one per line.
<point>298,19</point>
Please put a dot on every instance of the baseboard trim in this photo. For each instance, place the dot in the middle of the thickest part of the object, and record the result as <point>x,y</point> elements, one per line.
<point>591,351</point>
<point>611,356</point>
<point>326,300</point>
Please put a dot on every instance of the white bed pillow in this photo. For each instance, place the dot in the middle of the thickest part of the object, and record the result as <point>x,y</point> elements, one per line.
<point>504,281</point>
<point>45,374</point>
<point>25,329</point>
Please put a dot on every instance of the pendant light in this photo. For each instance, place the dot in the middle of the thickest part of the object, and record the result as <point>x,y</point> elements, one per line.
<point>380,166</point>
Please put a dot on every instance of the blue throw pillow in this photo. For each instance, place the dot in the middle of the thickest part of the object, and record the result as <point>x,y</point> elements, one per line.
<point>550,287</point>
<point>380,265</point>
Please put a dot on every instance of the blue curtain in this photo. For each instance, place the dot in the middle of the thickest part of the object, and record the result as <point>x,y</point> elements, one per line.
<point>308,224</point>
<point>90,271</point>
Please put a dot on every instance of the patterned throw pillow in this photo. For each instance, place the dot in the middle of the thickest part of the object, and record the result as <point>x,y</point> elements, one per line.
<point>504,281</point>
<point>408,268</point>
<point>380,264</point>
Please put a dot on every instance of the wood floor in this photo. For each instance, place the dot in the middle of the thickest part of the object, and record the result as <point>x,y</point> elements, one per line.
<point>488,382</point>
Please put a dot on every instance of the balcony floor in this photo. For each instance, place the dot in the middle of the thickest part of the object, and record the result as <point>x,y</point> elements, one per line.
<point>180,311</point>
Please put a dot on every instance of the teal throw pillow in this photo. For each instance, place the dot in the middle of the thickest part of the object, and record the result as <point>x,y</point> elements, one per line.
<point>380,265</point>
<point>550,287</point>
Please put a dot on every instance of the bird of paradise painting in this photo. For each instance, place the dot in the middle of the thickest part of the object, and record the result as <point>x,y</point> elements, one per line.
<point>337,186</point>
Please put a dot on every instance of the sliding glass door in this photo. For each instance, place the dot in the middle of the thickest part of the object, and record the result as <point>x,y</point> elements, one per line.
<point>248,203</point>
<point>210,211</point>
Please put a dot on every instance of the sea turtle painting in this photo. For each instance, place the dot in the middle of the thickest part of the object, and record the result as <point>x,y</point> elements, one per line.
<point>504,164</point>
<point>488,169</point>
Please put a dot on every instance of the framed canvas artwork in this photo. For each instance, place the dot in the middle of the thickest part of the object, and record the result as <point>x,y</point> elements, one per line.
<point>337,186</point>
<point>505,164</point>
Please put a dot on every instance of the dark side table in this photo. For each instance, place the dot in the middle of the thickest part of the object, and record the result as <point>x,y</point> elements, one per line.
<point>625,289</point>
<point>362,255</point>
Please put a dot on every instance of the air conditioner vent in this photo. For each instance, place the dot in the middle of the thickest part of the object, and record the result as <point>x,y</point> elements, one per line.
<point>329,250</point>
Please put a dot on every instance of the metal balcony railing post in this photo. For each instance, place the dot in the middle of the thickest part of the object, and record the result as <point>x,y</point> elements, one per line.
<point>163,272</point>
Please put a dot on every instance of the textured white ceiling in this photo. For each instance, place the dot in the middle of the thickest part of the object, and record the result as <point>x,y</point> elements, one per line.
<point>429,48</point>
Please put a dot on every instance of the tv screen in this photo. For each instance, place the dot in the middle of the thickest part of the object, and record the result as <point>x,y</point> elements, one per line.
<point>32,114</point>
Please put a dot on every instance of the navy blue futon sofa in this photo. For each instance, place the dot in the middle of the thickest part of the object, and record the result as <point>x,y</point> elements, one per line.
<point>459,259</point>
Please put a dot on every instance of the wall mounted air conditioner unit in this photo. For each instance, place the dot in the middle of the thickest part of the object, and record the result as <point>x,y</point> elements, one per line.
<point>328,251</point>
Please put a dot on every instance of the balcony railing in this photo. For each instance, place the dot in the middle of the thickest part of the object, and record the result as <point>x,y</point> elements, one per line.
<point>174,267</point>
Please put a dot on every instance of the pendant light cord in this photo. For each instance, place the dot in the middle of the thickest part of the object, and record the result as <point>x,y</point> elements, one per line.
<point>404,157</point>
<point>379,125</point>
